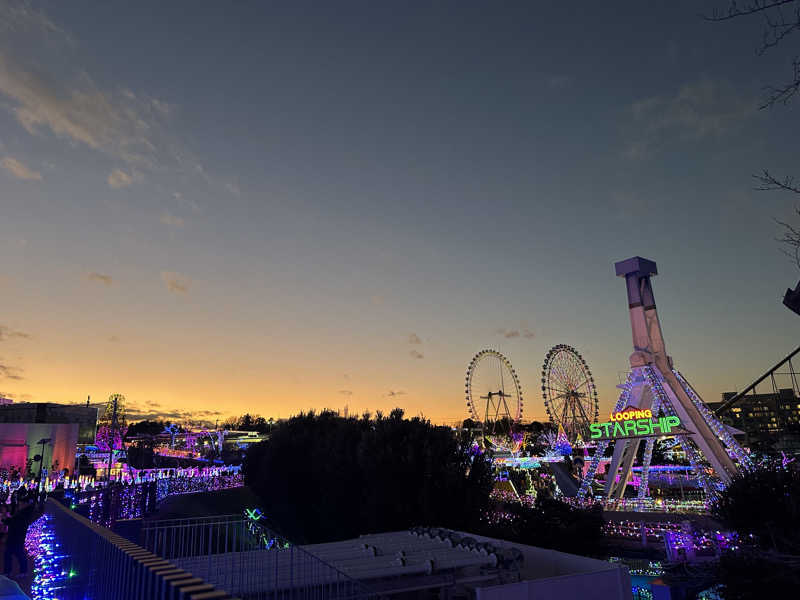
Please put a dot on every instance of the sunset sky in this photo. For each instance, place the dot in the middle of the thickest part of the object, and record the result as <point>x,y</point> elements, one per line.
<point>217,207</point>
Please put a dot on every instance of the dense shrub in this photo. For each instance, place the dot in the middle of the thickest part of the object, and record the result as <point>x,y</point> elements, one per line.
<point>323,477</point>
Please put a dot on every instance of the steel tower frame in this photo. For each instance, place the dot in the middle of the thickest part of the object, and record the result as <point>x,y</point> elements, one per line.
<point>654,383</point>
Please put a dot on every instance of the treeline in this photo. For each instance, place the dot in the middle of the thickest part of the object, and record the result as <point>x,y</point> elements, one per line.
<point>325,477</point>
<point>148,427</point>
<point>248,422</point>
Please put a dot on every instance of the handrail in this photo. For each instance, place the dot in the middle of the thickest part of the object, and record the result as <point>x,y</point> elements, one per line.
<point>108,566</point>
<point>247,558</point>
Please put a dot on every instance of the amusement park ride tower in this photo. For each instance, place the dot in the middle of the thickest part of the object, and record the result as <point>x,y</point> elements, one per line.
<point>654,384</point>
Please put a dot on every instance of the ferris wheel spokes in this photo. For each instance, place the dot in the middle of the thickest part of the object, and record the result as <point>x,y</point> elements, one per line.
<point>568,389</point>
<point>493,385</point>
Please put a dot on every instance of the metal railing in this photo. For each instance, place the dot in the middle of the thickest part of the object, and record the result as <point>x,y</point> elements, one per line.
<point>106,566</point>
<point>248,560</point>
<point>751,389</point>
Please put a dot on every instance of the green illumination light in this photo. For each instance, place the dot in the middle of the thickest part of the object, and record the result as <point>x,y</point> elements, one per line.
<point>634,428</point>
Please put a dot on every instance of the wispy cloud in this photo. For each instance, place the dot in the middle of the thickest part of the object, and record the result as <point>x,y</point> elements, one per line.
<point>118,123</point>
<point>175,282</point>
<point>19,16</point>
<point>50,95</point>
<point>169,219</point>
<point>523,332</point>
<point>119,179</point>
<point>696,111</point>
<point>113,339</point>
<point>186,202</point>
<point>135,412</point>
<point>100,278</point>
<point>23,397</point>
<point>20,171</point>
<point>393,393</point>
<point>9,372</point>
<point>415,340</point>
<point>345,392</point>
<point>6,333</point>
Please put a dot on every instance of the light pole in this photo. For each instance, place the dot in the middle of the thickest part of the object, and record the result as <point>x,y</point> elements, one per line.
<point>42,441</point>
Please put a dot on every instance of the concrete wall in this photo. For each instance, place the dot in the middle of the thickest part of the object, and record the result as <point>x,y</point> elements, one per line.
<point>19,442</point>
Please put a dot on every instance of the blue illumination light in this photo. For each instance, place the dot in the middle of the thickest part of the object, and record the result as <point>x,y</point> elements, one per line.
<point>49,574</point>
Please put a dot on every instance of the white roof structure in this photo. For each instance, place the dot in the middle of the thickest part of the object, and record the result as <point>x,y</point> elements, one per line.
<point>417,559</point>
<point>409,562</point>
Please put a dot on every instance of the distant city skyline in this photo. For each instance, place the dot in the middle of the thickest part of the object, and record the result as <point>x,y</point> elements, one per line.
<point>221,208</point>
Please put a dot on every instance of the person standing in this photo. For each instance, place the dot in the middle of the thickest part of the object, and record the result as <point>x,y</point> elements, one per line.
<point>17,530</point>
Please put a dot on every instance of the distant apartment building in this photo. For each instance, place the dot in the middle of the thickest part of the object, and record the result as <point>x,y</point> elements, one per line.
<point>763,416</point>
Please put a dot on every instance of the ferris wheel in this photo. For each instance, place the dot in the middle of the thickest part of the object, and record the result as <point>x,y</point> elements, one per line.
<point>494,395</point>
<point>569,392</point>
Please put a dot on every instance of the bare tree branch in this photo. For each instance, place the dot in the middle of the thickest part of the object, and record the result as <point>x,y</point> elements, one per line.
<point>782,95</point>
<point>778,27</point>
<point>750,8</point>
<point>768,182</point>
<point>790,240</point>
<point>780,21</point>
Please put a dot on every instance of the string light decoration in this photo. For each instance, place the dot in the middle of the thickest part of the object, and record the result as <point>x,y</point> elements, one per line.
<point>717,426</point>
<point>172,429</point>
<point>641,593</point>
<point>702,541</point>
<point>562,445</point>
<point>50,570</point>
<point>654,380</point>
<point>112,425</point>
<point>661,505</point>
<point>136,499</point>
<point>648,456</point>
<point>265,537</point>
<point>622,402</point>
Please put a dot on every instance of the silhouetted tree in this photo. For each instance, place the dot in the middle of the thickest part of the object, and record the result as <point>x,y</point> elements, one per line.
<point>746,575</point>
<point>141,455</point>
<point>248,422</point>
<point>324,477</point>
<point>85,466</point>
<point>764,502</point>
<point>146,427</point>
<point>550,524</point>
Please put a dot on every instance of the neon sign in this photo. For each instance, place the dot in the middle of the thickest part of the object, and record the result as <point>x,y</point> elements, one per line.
<point>635,422</point>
